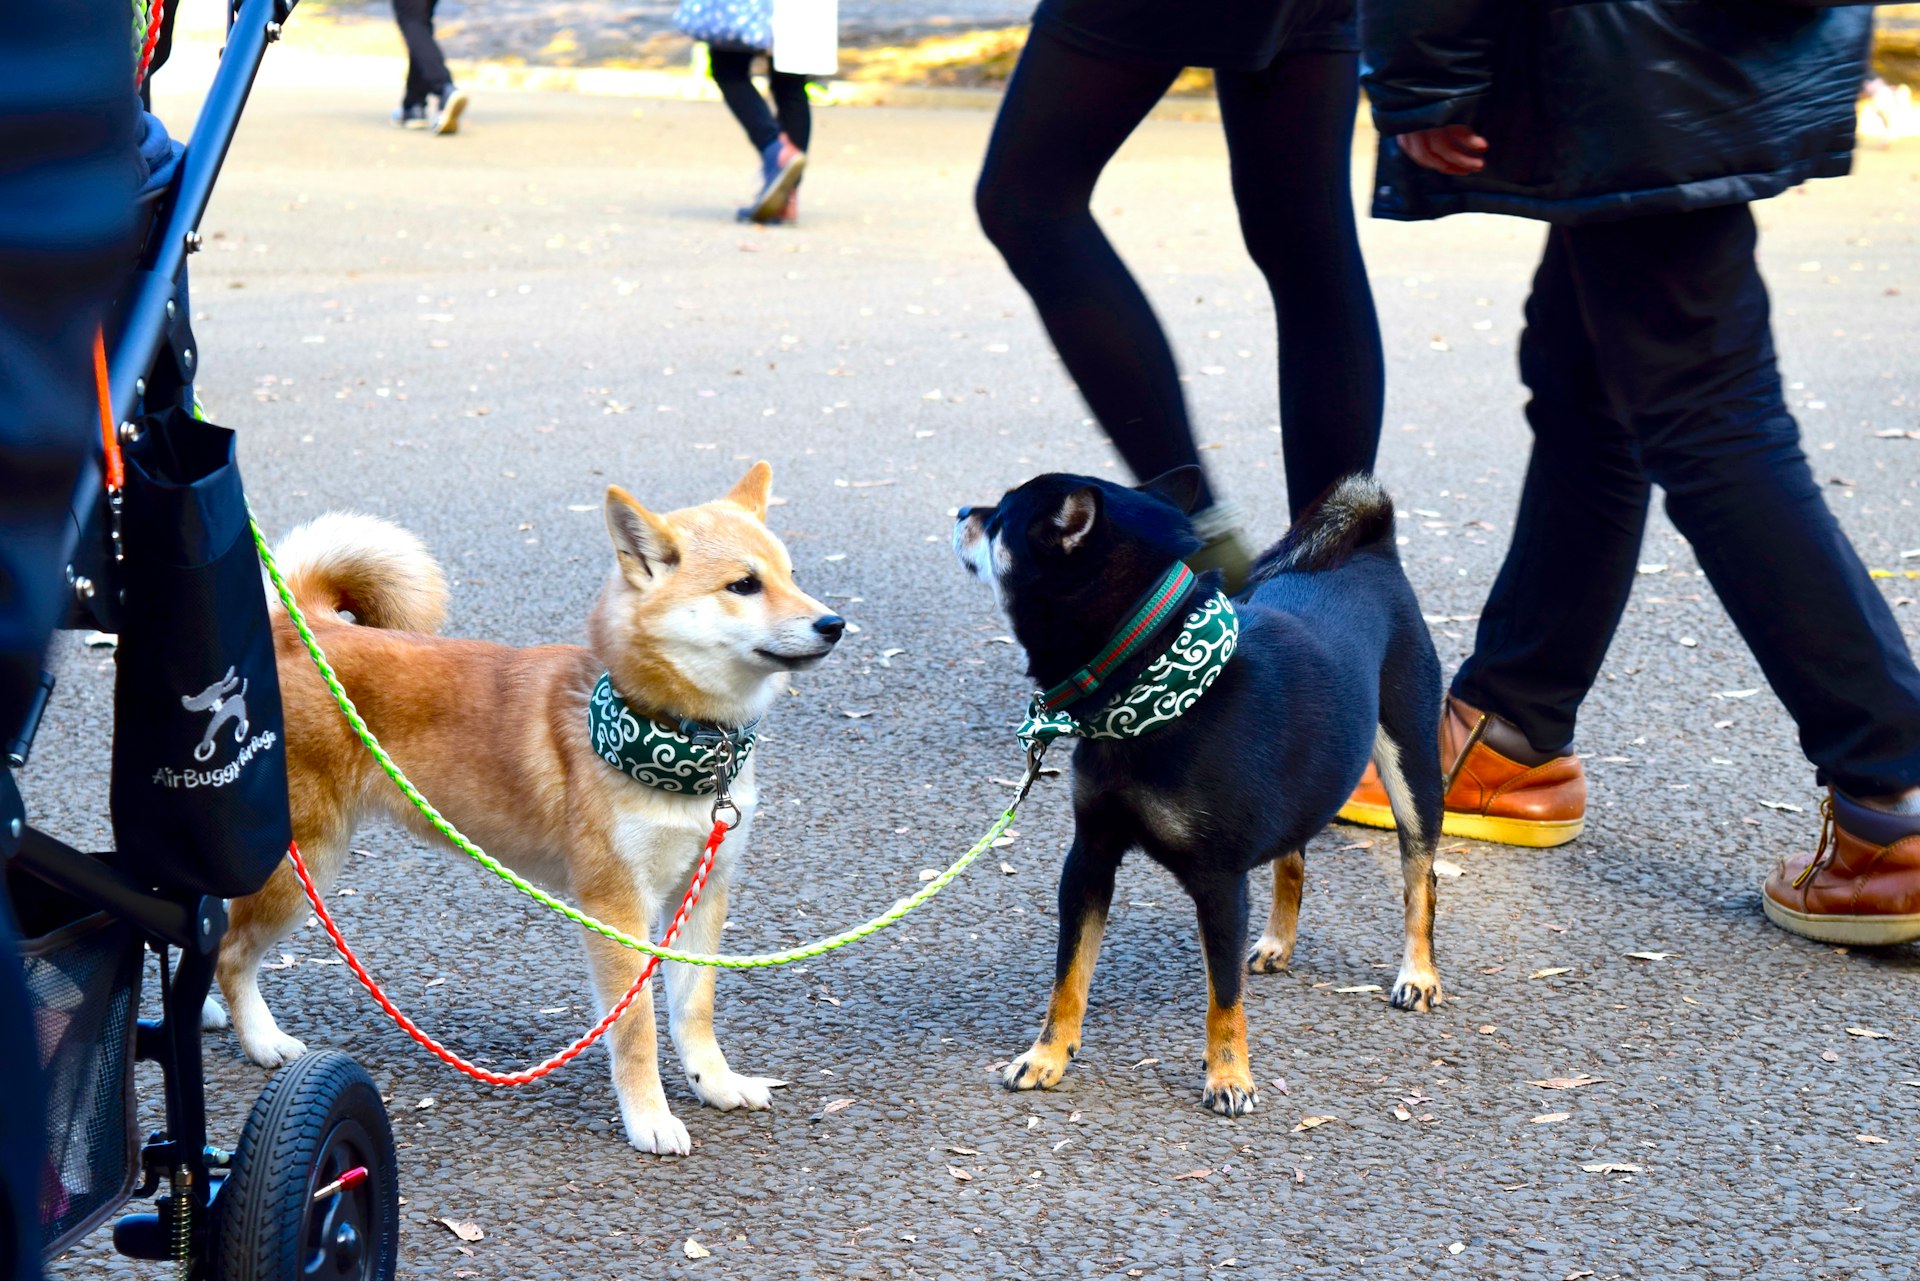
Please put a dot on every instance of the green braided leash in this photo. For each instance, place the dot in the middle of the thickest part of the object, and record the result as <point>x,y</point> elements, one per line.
<point>819,947</point>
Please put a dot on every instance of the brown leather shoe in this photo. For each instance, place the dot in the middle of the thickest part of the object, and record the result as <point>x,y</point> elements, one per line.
<point>1848,890</point>
<point>1490,797</point>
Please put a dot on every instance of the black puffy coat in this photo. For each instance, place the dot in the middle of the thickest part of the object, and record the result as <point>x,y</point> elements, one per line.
<point>1602,109</point>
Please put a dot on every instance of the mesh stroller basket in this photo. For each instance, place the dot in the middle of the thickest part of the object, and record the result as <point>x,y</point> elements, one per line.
<point>83,983</point>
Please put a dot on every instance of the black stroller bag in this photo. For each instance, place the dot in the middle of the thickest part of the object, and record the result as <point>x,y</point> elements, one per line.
<point>199,766</point>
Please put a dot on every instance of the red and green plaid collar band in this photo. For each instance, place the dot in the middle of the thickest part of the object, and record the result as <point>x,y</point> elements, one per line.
<point>1155,608</point>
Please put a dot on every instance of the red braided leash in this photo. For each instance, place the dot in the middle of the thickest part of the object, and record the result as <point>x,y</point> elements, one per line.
<point>147,46</point>
<point>700,874</point>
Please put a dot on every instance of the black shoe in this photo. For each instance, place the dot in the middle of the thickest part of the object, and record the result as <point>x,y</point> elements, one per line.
<point>410,116</point>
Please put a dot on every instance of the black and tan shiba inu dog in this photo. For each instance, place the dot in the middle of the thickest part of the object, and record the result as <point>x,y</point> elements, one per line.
<point>1215,737</point>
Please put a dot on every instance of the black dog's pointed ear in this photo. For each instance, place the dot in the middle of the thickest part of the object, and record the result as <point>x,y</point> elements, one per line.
<point>1079,513</point>
<point>1181,487</point>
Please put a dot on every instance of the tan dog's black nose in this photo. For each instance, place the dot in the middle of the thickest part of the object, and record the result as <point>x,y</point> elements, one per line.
<point>831,626</point>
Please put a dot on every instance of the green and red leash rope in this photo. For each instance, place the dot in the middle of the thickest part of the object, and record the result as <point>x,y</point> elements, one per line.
<point>474,1070</point>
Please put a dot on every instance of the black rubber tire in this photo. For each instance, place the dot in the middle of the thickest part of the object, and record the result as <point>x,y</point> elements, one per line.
<point>319,1115</point>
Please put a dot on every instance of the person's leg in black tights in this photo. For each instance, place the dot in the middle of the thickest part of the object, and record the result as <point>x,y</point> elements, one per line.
<point>791,106</point>
<point>1570,567</point>
<point>732,71</point>
<point>1064,115</point>
<point>1290,134</point>
<point>426,68</point>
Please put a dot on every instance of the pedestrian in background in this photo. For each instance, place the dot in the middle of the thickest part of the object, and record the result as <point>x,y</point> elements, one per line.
<point>427,74</point>
<point>801,41</point>
<point>1287,76</point>
<point>1650,356</point>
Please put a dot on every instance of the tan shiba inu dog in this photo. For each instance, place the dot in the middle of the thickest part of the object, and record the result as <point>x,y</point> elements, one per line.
<point>699,622</point>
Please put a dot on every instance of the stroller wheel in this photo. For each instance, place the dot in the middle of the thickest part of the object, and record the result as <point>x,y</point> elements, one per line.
<point>319,1119</point>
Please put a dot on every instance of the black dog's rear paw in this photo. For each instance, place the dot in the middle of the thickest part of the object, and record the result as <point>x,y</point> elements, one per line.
<point>1416,992</point>
<point>1269,956</point>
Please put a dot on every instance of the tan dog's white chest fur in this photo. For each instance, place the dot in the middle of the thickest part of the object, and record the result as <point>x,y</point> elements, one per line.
<point>700,620</point>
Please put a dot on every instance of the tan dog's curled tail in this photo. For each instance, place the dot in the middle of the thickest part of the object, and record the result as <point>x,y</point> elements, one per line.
<point>352,563</point>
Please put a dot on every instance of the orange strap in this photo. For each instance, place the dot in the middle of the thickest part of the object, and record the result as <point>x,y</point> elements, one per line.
<point>109,438</point>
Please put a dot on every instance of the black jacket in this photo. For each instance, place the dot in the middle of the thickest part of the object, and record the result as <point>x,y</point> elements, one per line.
<point>1602,109</point>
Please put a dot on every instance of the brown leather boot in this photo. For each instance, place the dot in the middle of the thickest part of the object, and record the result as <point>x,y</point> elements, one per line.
<point>1848,890</point>
<point>1490,796</point>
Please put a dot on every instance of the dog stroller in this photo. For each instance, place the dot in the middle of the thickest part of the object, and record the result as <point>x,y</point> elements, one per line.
<point>160,555</point>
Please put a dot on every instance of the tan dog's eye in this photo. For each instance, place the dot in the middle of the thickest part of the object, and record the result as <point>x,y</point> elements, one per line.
<point>745,586</point>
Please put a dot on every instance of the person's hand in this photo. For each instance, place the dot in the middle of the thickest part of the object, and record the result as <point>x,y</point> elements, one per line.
<point>1450,149</point>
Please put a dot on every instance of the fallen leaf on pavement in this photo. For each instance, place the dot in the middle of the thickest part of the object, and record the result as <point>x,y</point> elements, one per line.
<point>1359,987</point>
<point>1868,1138</point>
<point>1146,1063</point>
<point>1312,1122</point>
<point>1613,1167</point>
<point>833,1107</point>
<point>1870,1034</point>
<point>1447,868</point>
<point>1563,1082</point>
<point>424,1104</point>
<point>694,1250</point>
<point>959,1173</point>
<point>1551,971</point>
<point>1653,956</point>
<point>1400,1112</point>
<point>465,1231</point>
<point>964,1151</point>
<point>1783,806</point>
<point>1192,1174</point>
<point>1548,1118</point>
<point>1829,1056</point>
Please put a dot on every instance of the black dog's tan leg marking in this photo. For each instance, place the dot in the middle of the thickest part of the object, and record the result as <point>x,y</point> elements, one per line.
<point>1229,1086</point>
<point>1418,984</point>
<point>1086,893</point>
<point>1222,907</point>
<point>1275,949</point>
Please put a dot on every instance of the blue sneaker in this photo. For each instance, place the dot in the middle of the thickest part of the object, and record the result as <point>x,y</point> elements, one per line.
<point>781,164</point>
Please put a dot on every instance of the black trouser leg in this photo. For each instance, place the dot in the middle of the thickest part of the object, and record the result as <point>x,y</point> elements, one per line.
<point>732,71</point>
<point>426,67</point>
<point>1290,134</point>
<point>1065,113</point>
<point>1576,540</point>
<point>791,106</point>
<point>1678,321</point>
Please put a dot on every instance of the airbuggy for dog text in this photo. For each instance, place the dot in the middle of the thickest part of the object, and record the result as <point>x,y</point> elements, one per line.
<point>160,554</point>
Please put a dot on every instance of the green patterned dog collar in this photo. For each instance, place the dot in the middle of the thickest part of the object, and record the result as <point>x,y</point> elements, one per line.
<point>1172,683</point>
<point>683,759</point>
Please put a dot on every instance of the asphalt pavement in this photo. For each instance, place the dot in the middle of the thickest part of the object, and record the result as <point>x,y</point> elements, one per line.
<point>475,335</point>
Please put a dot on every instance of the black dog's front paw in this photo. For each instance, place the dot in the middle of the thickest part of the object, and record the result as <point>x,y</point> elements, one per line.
<point>1040,1068</point>
<point>1419,992</point>
<point>1229,1098</point>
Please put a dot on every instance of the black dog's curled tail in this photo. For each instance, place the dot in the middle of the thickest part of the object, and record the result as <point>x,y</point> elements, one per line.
<point>1354,514</point>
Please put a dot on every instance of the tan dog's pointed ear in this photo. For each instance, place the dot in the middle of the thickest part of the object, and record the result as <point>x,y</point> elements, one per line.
<point>642,542</point>
<point>753,490</point>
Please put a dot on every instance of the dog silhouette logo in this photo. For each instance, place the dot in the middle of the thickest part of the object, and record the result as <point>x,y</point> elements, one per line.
<point>226,703</point>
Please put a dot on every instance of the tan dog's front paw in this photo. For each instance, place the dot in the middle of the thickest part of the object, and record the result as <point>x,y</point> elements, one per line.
<point>1040,1068</point>
<point>1416,990</point>
<point>660,1133</point>
<point>1229,1090</point>
<point>727,1090</point>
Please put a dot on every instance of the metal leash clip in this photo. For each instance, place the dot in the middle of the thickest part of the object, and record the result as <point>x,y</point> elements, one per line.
<point>723,782</point>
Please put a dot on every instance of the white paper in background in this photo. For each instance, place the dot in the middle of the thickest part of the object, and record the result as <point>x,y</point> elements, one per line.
<point>806,37</point>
